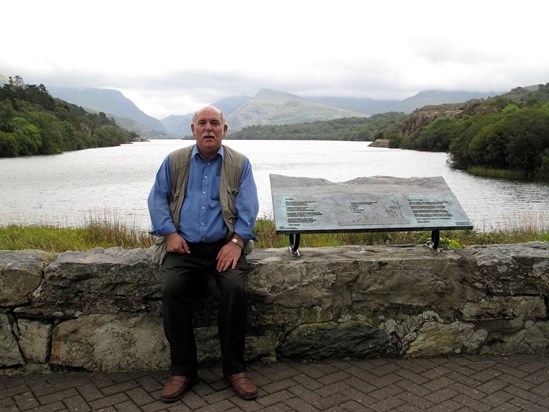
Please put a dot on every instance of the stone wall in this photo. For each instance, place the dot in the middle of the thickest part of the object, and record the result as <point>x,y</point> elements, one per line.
<point>101,310</point>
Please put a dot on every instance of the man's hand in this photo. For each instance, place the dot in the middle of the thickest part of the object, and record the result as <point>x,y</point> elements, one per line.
<point>176,244</point>
<point>228,256</point>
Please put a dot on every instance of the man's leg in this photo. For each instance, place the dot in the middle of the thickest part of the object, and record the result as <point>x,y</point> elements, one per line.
<point>179,286</point>
<point>232,323</point>
<point>233,316</point>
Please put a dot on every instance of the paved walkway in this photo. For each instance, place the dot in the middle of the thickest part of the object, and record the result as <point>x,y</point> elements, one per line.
<point>470,383</point>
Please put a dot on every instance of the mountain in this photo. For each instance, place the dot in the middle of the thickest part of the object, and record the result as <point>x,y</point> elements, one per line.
<point>113,103</point>
<point>436,97</point>
<point>269,107</point>
<point>180,125</point>
<point>361,105</point>
<point>424,98</point>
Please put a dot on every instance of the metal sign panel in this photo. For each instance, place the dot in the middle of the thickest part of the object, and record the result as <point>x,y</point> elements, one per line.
<point>381,203</point>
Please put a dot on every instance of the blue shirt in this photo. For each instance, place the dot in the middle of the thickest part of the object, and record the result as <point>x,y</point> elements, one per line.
<point>201,219</point>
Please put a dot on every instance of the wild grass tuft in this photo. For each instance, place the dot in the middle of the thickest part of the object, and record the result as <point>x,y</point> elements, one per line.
<point>110,232</point>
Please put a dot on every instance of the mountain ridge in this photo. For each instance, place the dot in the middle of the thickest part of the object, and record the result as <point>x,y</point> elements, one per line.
<point>266,107</point>
<point>110,101</point>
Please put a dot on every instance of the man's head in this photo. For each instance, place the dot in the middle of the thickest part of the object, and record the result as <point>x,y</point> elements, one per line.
<point>209,129</point>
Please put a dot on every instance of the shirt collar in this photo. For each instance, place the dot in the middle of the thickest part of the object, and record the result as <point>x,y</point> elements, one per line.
<point>197,153</point>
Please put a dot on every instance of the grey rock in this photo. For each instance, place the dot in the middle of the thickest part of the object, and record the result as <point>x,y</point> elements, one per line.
<point>34,339</point>
<point>20,275</point>
<point>10,355</point>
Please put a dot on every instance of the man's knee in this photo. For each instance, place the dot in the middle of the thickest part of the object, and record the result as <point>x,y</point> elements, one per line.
<point>232,281</point>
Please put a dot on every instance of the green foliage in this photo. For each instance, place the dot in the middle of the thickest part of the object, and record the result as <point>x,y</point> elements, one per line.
<point>509,132</point>
<point>436,136</point>
<point>8,145</point>
<point>34,123</point>
<point>353,128</point>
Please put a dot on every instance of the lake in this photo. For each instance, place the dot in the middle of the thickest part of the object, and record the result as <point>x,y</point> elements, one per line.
<point>74,188</point>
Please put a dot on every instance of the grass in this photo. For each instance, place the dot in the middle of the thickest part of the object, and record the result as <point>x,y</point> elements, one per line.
<point>110,233</point>
<point>508,174</point>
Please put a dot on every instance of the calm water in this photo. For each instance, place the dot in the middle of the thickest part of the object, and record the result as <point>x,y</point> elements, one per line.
<point>113,183</point>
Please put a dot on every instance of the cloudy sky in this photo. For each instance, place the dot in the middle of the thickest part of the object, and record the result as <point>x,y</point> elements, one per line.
<point>173,56</point>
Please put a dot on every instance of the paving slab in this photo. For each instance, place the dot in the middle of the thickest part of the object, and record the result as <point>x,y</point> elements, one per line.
<point>458,383</point>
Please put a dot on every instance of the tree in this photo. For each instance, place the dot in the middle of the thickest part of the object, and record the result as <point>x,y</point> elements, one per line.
<point>8,145</point>
<point>27,135</point>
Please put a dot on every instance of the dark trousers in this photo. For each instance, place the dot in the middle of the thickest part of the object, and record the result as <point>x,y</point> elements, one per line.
<point>183,279</point>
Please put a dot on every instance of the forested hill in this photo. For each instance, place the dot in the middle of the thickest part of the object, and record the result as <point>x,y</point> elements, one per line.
<point>505,136</point>
<point>351,128</point>
<point>32,122</point>
<point>487,136</point>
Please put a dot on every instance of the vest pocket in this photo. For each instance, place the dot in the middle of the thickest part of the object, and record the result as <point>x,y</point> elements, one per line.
<point>172,201</point>
<point>231,198</point>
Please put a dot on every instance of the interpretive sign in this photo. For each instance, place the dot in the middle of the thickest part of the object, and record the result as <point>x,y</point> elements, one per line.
<point>381,203</point>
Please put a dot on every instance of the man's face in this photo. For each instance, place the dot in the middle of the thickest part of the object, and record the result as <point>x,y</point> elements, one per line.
<point>208,130</point>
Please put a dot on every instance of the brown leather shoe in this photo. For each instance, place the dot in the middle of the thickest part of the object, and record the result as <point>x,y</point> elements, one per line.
<point>176,387</point>
<point>242,385</point>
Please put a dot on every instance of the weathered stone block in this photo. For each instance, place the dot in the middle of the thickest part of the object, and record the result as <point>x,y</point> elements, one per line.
<point>20,275</point>
<point>110,343</point>
<point>335,340</point>
<point>506,307</point>
<point>533,338</point>
<point>10,355</point>
<point>511,269</point>
<point>421,282</point>
<point>435,339</point>
<point>101,281</point>
<point>34,339</point>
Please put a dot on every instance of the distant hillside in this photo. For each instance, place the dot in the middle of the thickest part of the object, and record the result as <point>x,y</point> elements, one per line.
<point>230,104</point>
<point>269,107</point>
<point>360,105</point>
<point>180,125</point>
<point>424,98</point>
<point>435,97</point>
<point>348,128</point>
<point>111,102</point>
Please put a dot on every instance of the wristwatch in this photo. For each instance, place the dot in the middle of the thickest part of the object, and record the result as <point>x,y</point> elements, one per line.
<point>237,242</point>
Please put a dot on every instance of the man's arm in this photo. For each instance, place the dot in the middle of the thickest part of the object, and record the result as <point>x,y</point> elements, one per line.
<point>159,208</point>
<point>159,211</point>
<point>247,206</point>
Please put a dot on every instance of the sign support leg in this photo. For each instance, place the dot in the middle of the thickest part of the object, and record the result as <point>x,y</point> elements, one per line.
<point>294,243</point>
<point>435,240</point>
